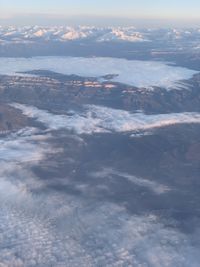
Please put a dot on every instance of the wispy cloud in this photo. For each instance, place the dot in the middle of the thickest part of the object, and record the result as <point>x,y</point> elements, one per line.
<point>153,186</point>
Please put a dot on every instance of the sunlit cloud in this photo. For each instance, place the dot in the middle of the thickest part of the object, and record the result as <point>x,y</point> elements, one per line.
<point>99,119</point>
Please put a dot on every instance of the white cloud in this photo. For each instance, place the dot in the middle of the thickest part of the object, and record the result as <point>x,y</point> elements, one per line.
<point>153,186</point>
<point>136,73</point>
<point>95,119</point>
<point>52,229</point>
<point>47,228</point>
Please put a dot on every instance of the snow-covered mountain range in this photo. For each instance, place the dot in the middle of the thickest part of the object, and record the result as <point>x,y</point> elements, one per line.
<point>64,34</point>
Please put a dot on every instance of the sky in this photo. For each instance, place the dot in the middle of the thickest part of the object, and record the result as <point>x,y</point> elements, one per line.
<point>97,11</point>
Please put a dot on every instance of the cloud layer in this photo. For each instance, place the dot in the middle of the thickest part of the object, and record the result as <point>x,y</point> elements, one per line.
<point>41,227</point>
<point>130,72</point>
<point>99,119</point>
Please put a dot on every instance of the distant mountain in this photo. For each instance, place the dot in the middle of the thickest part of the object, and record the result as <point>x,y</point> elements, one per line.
<point>109,34</point>
<point>14,34</point>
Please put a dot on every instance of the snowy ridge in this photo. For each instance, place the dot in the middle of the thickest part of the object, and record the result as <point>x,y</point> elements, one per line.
<point>122,34</point>
<point>108,34</point>
<point>15,34</point>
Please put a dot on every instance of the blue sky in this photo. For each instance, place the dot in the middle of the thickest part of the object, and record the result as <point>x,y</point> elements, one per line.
<point>133,9</point>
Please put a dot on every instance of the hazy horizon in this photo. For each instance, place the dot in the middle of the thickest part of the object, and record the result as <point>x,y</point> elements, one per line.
<point>142,13</point>
<point>99,21</point>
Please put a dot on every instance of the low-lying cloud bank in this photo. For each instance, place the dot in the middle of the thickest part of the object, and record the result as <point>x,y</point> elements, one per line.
<point>99,119</point>
<point>131,72</point>
<point>48,228</point>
